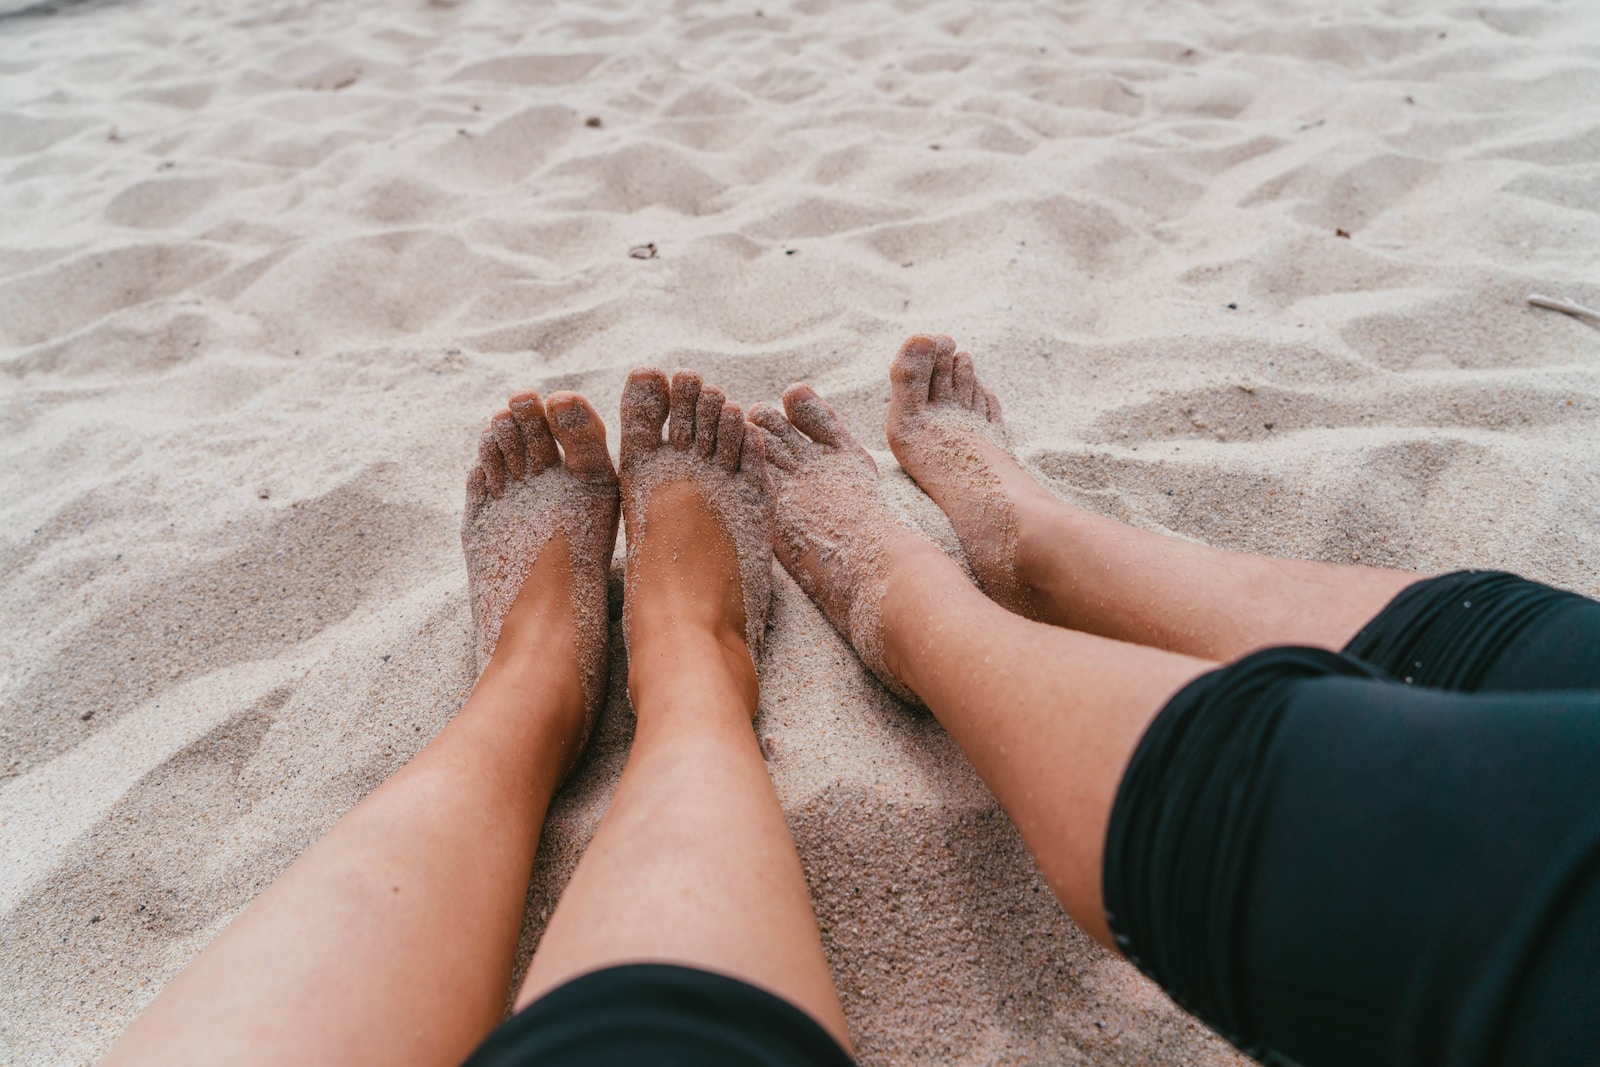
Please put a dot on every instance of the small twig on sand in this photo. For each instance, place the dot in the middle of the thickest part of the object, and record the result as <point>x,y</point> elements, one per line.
<point>1565,307</point>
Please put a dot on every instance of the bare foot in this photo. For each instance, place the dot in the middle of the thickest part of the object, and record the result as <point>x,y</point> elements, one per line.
<point>946,431</point>
<point>833,531</point>
<point>538,533</point>
<point>698,510</point>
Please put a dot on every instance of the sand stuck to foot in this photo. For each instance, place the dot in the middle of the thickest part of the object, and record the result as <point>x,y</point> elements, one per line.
<point>1249,271</point>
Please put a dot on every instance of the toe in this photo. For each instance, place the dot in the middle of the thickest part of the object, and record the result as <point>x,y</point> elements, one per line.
<point>992,403</point>
<point>753,454</point>
<point>944,359</point>
<point>581,434</point>
<point>477,491</point>
<point>493,464</point>
<point>964,381</point>
<point>529,412</point>
<point>644,410</point>
<point>512,449</point>
<point>776,455</point>
<point>685,395</point>
<point>812,416</point>
<point>911,373</point>
<point>730,437</point>
<point>786,446</point>
<point>707,419</point>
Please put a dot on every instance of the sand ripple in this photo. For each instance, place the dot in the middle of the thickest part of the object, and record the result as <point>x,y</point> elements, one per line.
<point>267,266</point>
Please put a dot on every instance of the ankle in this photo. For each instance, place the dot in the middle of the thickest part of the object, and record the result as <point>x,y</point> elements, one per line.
<point>538,665</point>
<point>692,669</point>
<point>1046,529</point>
<point>923,585</point>
<point>532,691</point>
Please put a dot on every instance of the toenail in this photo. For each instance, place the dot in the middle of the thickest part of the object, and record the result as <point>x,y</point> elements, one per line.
<point>921,346</point>
<point>572,417</point>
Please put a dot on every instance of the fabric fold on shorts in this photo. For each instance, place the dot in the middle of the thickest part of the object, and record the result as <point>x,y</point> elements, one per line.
<point>1181,838</point>
<point>1337,867</point>
<point>656,1015</point>
<point>1484,631</point>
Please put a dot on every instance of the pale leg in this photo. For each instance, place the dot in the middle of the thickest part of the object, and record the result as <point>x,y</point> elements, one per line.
<point>1060,564</point>
<point>392,939</point>
<point>1048,716</point>
<point>693,863</point>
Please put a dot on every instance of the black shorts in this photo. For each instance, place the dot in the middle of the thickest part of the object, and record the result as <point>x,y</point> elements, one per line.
<point>656,1015</point>
<point>1386,856</point>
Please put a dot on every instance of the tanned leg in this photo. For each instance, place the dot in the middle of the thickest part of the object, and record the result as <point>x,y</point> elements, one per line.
<point>693,863</point>
<point>1049,717</point>
<point>1048,560</point>
<point>392,939</point>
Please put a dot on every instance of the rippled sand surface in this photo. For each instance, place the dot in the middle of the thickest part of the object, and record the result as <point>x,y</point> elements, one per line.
<point>1248,271</point>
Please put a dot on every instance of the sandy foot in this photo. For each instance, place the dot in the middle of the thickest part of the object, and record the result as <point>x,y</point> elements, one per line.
<point>833,531</point>
<point>945,429</point>
<point>698,510</point>
<point>542,474</point>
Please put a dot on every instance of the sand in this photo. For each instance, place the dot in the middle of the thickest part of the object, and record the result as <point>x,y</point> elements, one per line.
<point>707,444</point>
<point>543,491</point>
<point>267,267</point>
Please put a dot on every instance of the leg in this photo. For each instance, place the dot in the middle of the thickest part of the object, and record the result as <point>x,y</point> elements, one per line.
<point>1327,865</point>
<point>1049,717</point>
<point>392,939</point>
<point>693,863</point>
<point>1050,561</point>
<point>1313,858</point>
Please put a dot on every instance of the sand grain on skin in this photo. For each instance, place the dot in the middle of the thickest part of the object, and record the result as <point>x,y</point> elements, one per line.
<point>503,537</point>
<point>947,432</point>
<point>264,266</point>
<point>833,528</point>
<point>738,499</point>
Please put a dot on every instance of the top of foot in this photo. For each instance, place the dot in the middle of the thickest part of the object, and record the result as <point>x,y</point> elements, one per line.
<point>945,430</point>
<point>833,531</point>
<point>697,507</point>
<point>542,474</point>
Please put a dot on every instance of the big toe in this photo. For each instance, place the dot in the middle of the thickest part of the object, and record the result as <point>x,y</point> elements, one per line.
<point>581,434</point>
<point>645,400</point>
<point>911,373</point>
<point>784,445</point>
<point>812,416</point>
<point>528,411</point>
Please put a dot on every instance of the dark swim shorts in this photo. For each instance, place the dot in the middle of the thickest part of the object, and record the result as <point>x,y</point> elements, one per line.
<point>656,1015</point>
<point>1385,857</point>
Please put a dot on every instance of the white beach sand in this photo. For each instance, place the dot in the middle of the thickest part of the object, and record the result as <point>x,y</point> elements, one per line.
<point>267,267</point>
